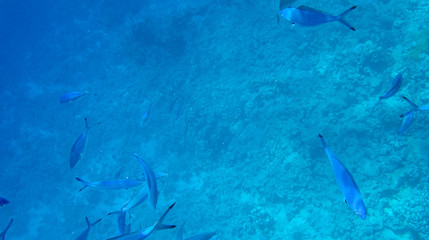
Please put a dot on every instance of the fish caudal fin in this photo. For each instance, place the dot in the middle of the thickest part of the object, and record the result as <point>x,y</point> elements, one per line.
<point>415,106</point>
<point>322,140</point>
<point>84,182</point>
<point>343,21</point>
<point>159,225</point>
<point>372,110</point>
<point>91,224</point>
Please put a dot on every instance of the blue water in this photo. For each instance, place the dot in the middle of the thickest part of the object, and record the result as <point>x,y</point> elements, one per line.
<point>237,104</point>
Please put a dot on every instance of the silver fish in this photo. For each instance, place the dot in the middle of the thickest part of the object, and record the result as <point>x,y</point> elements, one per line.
<point>150,182</point>
<point>123,227</point>
<point>71,96</point>
<point>146,114</point>
<point>79,146</point>
<point>158,225</point>
<point>3,234</point>
<point>111,184</point>
<point>139,198</point>
<point>307,16</point>
<point>84,234</point>
<point>346,183</point>
<point>406,122</point>
<point>396,84</point>
<point>177,107</point>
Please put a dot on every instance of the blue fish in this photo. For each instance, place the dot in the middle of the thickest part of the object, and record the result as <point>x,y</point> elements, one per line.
<point>150,181</point>
<point>3,234</point>
<point>145,115</point>
<point>123,227</point>
<point>406,122</point>
<point>139,235</point>
<point>346,183</point>
<point>84,234</point>
<point>139,198</point>
<point>71,96</point>
<point>79,146</point>
<point>177,107</point>
<point>111,184</point>
<point>3,201</point>
<point>201,236</point>
<point>306,16</point>
<point>396,84</point>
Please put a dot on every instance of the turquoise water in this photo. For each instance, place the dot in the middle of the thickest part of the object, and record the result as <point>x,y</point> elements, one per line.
<point>237,104</point>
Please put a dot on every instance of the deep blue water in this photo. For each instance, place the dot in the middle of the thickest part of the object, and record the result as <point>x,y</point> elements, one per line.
<point>237,104</point>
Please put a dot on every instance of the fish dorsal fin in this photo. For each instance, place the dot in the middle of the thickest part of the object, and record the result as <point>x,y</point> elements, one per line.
<point>303,7</point>
<point>285,3</point>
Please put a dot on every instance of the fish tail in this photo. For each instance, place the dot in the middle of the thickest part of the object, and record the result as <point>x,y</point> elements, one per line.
<point>87,127</point>
<point>84,182</point>
<point>415,106</point>
<point>395,142</point>
<point>343,21</point>
<point>7,228</point>
<point>372,110</point>
<point>80,190</point>
<point>92,224</point>
<point>159,224</point>
<point>86,124</point>
<point>116,212</point>
<point>323,140</point>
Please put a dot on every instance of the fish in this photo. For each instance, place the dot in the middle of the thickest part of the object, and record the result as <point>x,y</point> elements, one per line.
<point>71,96</point>
<point>84,234</point>
<point>396,84</point>
<point>123,227</point>
<point>306,16</point>
<point>79,146</point>
<point>139,235</point>
<point>150,182</point>
<point>3,234</point>
<point>177,107</point>
<point>201,236</point>
<point>139,198</point>
<point>111,184</point>
<point>408,118</point>
<point>346,183</point>
<point>3,201</point>
<point>145,115</point>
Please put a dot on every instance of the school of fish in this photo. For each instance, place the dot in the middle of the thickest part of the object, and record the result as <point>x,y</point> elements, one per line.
<point>302,15</point>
